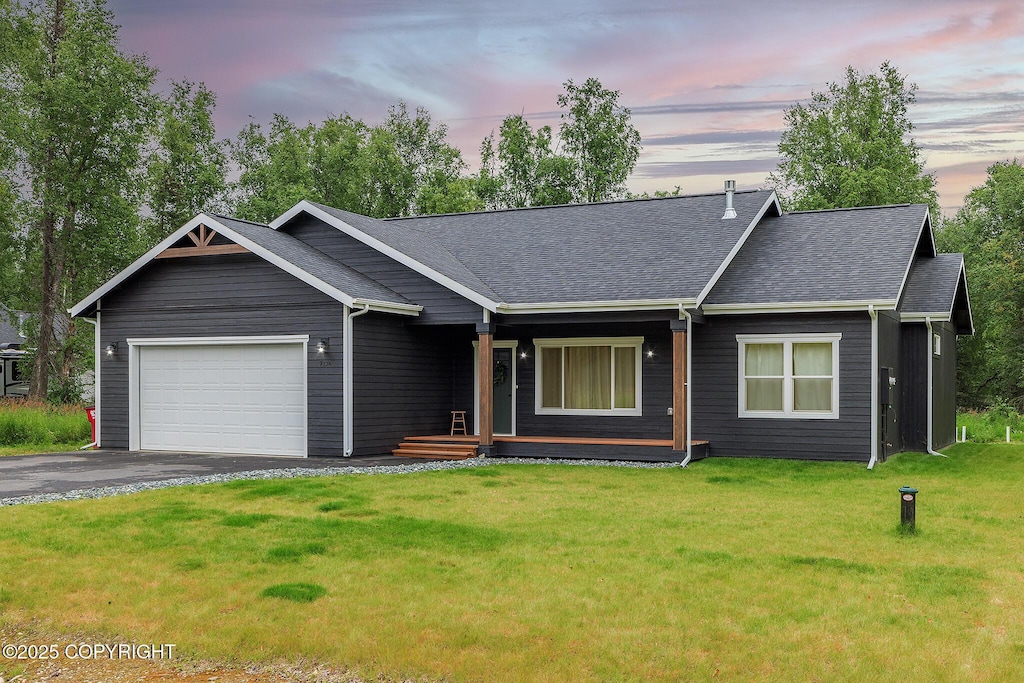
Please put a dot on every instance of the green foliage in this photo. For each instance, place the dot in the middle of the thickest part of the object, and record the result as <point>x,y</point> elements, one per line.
<point>989,426</point>
<point>187,172</point>
<point>37,424</point>
<point>989,231</point>
<point>851,146</point>
<point>77,112</point>
<point>597,135</point>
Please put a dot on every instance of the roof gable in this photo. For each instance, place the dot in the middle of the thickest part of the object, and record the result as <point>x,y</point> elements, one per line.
<point>842,258</point>
<point>937,289</point>
<point>334,279</point>
<point>656,253</point>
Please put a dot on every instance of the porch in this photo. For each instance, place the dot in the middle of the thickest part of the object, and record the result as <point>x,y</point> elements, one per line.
<point>565,447</point>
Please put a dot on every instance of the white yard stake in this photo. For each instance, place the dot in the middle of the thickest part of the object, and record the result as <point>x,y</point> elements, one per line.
<point>964,433</point>
<point>1007,435</point>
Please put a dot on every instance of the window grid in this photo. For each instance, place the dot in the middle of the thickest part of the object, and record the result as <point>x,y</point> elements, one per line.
<point>789,377</point>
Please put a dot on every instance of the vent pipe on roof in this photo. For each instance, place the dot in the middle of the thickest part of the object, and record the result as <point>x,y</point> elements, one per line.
<point>730,188</point>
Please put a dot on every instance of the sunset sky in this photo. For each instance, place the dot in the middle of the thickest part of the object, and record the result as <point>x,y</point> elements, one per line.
<point>707,81</point>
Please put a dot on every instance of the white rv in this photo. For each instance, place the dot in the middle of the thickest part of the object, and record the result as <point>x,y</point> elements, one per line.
<point>14,371</point>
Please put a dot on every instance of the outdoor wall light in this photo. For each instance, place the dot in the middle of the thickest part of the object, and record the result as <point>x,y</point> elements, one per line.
<point>321,346</point>
<point>649,352</point>
<point>111,348</point>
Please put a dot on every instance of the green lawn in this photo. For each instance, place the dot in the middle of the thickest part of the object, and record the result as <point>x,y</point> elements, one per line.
<point>740,569</point>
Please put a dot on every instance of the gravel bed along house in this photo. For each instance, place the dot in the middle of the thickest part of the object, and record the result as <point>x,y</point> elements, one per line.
<point>288,473</point>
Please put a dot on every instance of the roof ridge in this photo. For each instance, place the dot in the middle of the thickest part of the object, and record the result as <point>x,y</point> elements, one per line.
<point>855,208</point>
<point>566,206</point>
<point>239,220</point>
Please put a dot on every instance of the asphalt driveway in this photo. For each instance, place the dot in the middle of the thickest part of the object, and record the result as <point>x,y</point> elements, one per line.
<point>55,473</point>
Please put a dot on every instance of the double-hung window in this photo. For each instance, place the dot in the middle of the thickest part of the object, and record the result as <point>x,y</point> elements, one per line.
<point>789,376</point>
<point>588,376</point>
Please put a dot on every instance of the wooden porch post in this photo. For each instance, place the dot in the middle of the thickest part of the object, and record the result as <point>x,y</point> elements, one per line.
<point>679,382</point>
<point>485,364</point>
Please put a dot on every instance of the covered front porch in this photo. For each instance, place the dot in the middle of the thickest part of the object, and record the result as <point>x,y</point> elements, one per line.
<point>458,447</point>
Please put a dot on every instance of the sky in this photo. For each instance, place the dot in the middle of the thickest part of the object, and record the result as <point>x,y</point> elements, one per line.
<point>707,81</point>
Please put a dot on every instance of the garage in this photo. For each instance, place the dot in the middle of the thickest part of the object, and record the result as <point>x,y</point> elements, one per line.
<point>232,395</point>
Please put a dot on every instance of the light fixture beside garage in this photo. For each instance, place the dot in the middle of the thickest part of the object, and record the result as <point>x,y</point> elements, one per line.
<point>111,348</point>
<point>321,346</point>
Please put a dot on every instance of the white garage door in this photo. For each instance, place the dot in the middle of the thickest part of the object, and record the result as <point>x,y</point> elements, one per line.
<point>233,398</point>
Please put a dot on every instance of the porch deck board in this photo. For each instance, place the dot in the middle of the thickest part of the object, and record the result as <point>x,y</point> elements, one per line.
<point>574,440</point>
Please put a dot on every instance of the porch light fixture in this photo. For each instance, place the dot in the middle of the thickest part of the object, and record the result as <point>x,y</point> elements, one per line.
<point>111,348</point>
<point>522,355</point>
<point>321,346</point>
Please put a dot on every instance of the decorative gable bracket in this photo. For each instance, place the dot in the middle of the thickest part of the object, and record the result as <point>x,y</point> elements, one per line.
<point>201,236</point>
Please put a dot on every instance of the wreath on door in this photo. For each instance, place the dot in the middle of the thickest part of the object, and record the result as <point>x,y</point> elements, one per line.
<point>500,372</point>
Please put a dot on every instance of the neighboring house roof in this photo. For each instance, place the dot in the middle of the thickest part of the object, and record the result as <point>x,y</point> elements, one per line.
<point>840,258</point>
<point>321,272</point>
<point>937,289</point>
<point>9,331</point>
<point>660,251</point>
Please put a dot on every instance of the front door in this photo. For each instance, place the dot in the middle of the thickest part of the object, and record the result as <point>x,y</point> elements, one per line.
<point>504,390</point>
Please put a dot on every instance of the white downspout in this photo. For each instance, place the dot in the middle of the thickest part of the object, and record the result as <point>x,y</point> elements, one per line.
<point>928,326</point>
<point>874,385</point>
<point>687,383</point>
<point>95,377</point>
<point>347,383</point>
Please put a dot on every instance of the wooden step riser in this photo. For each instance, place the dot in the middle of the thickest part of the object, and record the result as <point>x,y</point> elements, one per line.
<point>407,453</point>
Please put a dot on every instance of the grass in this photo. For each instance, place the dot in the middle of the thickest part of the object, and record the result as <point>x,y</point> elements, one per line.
<point>36,427</point>
<point>989,426</point>
<point>737,569</point>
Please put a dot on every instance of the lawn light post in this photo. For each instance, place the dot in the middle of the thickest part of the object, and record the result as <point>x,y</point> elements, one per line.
<point>908,502</point>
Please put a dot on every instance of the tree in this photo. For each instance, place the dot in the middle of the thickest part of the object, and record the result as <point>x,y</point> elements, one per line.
<point>187,173</point>
<point>851,146</point>
<point>989,230</point>
<point>596,133</point>
<point>274,170</point>
<point>78,114</point>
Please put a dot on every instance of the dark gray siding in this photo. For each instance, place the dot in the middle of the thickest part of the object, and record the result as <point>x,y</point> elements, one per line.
<point>889,353</point>
<point>944,388</point>
<point>440,304</point>
<point>914,395</point>
<point>714,382</point>
<point>236,295</point>
<point>403,380</point>
<point>654,423</point>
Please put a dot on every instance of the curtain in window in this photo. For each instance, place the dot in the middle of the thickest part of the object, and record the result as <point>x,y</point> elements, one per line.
<point>764,376</point>
<point>625,377</point>
<point>551,377</point>
<point>588,377</point>
<point>812,376</point>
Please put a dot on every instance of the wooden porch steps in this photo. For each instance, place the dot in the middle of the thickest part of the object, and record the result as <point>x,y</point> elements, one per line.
<point>438,450</point>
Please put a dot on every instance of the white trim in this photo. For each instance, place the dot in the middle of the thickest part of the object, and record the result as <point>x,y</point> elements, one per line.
<point>875,378</point>
<point>595,306</point>
<point>135,344</point>
<point>800,307</point>
<point>496,344</point>
<point>772,200</point>
<point>936,344</point>
<point>913,255</point>
<point>348,378</point>
<point>563,342</point>
<point>265,254</point>
<point>967,295</point>
<point>788,411</point>
<point>937,316</point>
<point>387,250</point>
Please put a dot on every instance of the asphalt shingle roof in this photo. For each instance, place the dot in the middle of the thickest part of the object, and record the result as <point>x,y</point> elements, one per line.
<point>614,251</point>
<point>824,256</point>
<point>931,286</point>
<point>8,331</point>
<point>314,262</point>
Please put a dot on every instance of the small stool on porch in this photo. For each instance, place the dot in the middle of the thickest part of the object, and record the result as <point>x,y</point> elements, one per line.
<point>459,422</point>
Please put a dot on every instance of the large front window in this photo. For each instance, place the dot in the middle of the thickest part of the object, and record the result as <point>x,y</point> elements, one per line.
<point>588,376</point>
<point>789,375</point>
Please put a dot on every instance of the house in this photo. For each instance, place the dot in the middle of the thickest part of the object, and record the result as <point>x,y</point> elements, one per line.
<point>660,329</point>
<point>13,370</point>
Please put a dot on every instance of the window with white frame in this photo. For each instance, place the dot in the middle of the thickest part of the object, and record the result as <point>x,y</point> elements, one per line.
<point>584,376</point>
<point>936,344</point>
<point>789,376</point>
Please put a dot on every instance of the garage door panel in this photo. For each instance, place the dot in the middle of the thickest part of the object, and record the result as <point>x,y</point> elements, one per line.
<point>234,398</point>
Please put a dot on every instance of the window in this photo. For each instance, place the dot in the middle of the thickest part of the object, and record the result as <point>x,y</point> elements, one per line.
<point>789,376</point>
<point>588,376</point>
<point>936,344</point>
